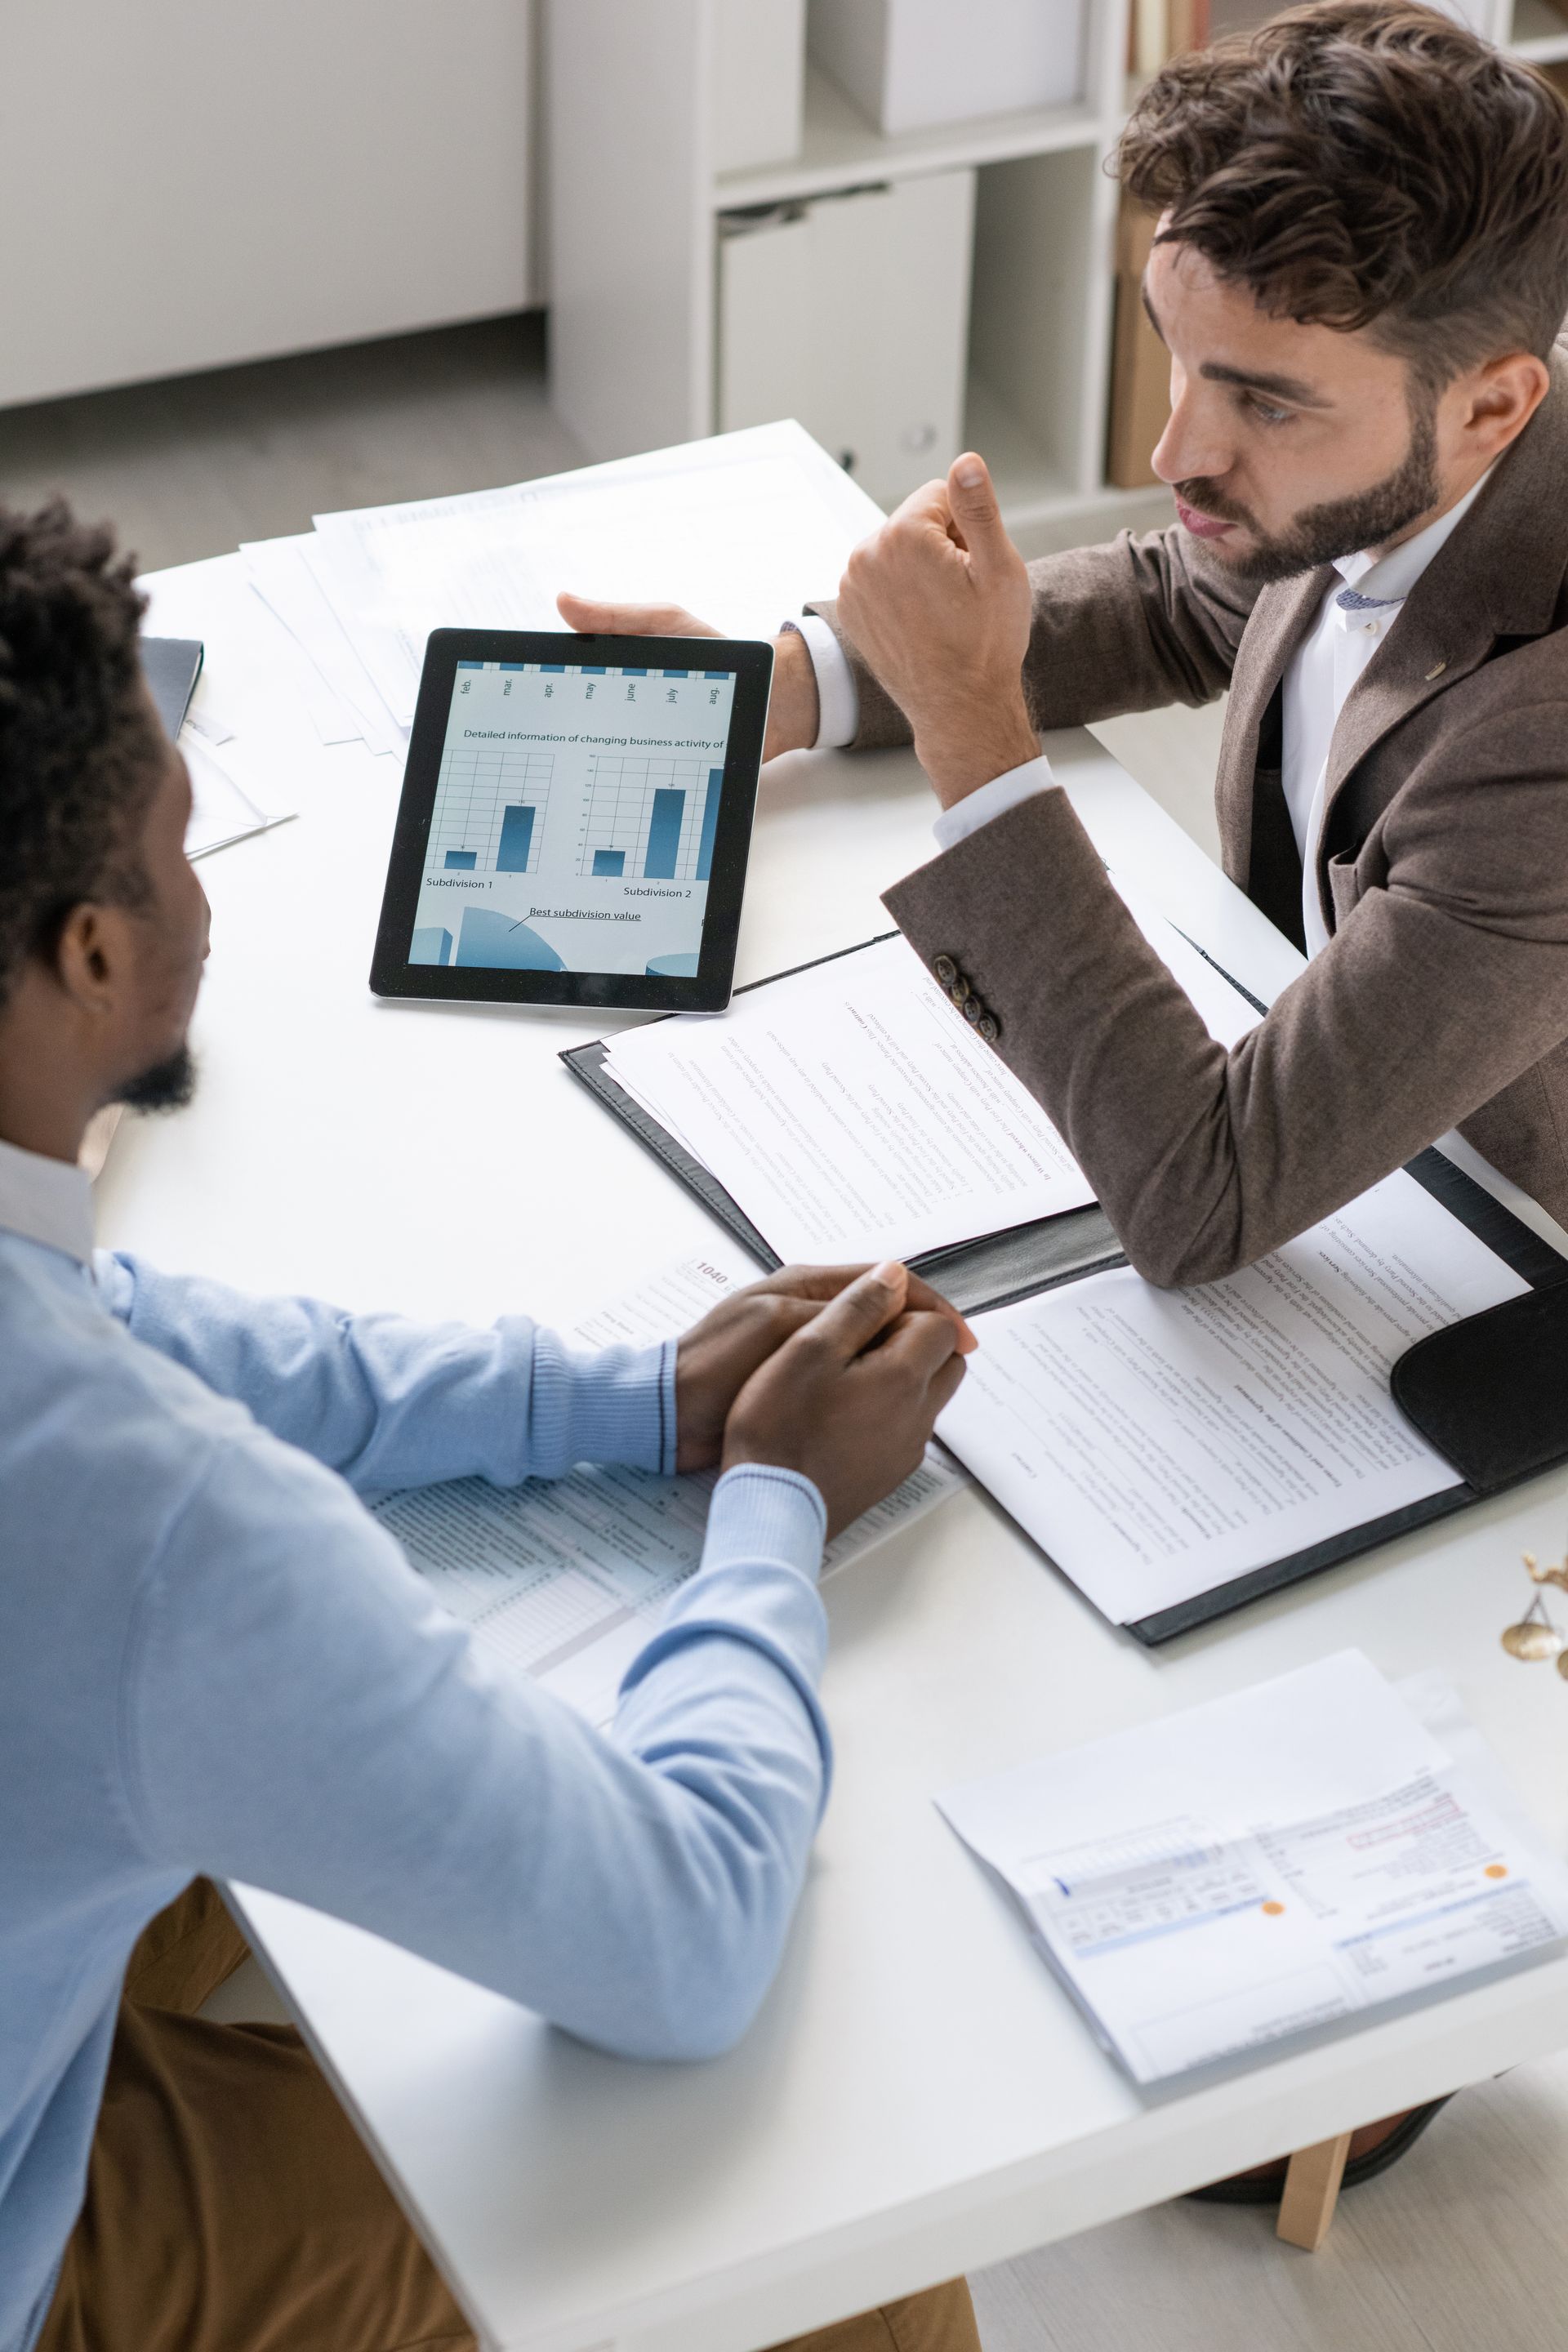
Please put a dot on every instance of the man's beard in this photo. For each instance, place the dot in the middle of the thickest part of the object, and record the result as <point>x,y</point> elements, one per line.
<point>1342,526</point>
<point>167,1085</point>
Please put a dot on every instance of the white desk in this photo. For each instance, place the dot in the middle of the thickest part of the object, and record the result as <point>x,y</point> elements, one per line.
<point>918,2098</point>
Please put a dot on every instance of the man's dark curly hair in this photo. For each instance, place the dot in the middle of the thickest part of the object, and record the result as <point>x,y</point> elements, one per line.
<point>1368,163</point>
<point>78,749</point>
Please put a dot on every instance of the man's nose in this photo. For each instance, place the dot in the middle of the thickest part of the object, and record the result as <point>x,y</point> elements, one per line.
<point>1192,448</point>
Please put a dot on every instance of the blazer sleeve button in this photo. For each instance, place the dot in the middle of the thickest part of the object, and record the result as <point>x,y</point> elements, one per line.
<point>945,970</point>
<point>972,1010</point>
<point>989,1027</point>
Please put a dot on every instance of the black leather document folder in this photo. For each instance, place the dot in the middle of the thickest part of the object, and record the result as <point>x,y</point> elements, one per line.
<point>172,666</point>
<point>1490,1393</point>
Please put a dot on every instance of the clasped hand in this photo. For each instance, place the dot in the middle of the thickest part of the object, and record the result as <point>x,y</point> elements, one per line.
<point>838,1372</point>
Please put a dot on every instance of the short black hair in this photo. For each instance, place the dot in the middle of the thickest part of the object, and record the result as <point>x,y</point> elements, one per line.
<point>1367,163</point>
<point>79,746</point>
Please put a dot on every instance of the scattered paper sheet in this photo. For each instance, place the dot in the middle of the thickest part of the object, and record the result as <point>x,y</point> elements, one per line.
<point>1266,1865</point>
<point>657,530</point>
<point>220,811</point>
<point>564,1580</point>
<point>1157,1444</point>
<point>337,688</point>
<point>852,1114</point>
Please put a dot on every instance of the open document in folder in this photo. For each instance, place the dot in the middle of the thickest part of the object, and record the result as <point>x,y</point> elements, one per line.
<point>851,1114</point>
<point>1162,1445</point>
<point>1175,1454</point>
<point>1268,1866</point>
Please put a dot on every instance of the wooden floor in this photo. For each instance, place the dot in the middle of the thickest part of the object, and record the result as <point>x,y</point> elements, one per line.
<point>1459,2249</point>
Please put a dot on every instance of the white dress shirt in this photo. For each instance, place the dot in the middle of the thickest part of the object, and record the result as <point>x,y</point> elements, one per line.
<point>1352,622</point>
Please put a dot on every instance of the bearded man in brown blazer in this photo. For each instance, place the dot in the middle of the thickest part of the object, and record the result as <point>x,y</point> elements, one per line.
<point>1360,270</point>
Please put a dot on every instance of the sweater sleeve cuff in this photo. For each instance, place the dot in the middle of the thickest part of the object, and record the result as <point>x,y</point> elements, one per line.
<point>613,1405</point>
<point>837,701</point>
<point>762,1513</point>
<point>1003,793</point>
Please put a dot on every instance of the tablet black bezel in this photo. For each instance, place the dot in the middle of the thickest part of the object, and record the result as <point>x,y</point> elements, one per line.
<point>392,974</point>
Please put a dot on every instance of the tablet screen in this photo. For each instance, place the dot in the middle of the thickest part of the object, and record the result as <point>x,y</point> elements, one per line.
<point>575,817</point>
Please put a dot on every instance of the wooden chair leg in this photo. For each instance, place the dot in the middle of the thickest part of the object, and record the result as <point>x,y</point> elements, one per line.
<point>1311,2191</point>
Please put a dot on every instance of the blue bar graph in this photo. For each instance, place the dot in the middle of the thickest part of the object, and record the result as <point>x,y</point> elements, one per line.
<point>677,673</point>
<point>471,665</point>
<point>511,664</point>
<point>516,835</point>
<point>553,669</point>
<point>710,824</point>
<point>609,861</point>
<point>431,945</point>
<point>590,670</point>
<point>634,673</point>
<point>664,837</point>
<point>461,861</point>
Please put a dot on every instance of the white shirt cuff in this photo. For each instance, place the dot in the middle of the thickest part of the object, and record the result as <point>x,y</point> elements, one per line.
<point>1003,793</point>
<point>837,702</point>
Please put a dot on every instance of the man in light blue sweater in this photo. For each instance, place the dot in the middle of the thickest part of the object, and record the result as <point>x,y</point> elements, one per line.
<point>213,1661</point>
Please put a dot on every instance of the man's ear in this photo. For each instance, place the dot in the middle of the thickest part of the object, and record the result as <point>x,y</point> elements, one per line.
<point>1499,399</point>
<point>92,958</point>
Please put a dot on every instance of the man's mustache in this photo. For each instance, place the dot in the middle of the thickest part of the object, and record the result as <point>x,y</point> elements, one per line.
<point>1214,503</point>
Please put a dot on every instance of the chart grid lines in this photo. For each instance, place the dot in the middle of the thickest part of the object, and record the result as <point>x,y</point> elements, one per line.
<point>490,801</point>
<point>653,812</point>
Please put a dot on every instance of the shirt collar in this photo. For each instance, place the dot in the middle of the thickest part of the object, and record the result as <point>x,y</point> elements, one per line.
<point>47,1200</point>
<point>1388,580</point>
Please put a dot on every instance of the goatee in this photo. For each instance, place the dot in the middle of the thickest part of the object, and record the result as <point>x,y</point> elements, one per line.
<point>1340,527</point>
<point>168,1085</point>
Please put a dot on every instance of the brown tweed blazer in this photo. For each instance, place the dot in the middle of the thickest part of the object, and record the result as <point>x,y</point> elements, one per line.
<point>1442,997</point>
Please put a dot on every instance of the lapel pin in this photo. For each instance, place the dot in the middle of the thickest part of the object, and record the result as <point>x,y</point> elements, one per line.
<point>1435,671</point>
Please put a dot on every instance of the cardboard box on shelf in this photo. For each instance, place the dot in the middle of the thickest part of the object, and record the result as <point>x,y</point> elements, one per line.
<point>1140,365</point>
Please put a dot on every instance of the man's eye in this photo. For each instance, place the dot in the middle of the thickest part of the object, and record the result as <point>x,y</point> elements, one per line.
<point>1267,416</point>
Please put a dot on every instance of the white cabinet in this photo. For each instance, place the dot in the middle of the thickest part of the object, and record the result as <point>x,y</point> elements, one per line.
<point>851,314</point>
<point>637,260</point>
<point>188,183</point>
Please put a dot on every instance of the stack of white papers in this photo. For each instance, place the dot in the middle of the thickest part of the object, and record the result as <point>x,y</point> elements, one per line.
<point>851,1114</point>
<point>1270,1865</point>
<point>564,1580</point>
<point>741,529</point>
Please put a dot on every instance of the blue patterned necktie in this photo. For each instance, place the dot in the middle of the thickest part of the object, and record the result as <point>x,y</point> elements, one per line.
<point>1351,600</point>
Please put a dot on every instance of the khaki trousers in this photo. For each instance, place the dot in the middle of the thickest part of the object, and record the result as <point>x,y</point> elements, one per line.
<point>231,2206</point>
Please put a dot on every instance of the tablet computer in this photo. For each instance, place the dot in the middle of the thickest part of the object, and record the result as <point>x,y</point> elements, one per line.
<point>575,819</point>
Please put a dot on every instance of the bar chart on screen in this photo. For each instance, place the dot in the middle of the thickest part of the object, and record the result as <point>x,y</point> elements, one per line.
<point>650,816</point>
<point>491,806</point>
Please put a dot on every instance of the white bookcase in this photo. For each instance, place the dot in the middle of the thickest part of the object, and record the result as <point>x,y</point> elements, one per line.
<point>632,205</point>
<point>633,197</point>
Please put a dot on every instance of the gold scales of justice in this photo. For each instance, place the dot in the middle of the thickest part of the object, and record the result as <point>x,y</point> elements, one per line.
<point>1536,1637</point>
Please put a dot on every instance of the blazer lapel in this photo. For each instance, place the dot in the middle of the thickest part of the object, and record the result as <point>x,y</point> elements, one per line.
<point>1280,620</point>
<point>1500,575</point>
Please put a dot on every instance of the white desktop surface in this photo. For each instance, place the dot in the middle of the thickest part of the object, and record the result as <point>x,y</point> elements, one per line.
<point>918,2098</point>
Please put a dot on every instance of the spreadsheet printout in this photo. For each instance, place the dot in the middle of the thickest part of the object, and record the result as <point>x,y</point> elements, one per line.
<point>562,1579</point>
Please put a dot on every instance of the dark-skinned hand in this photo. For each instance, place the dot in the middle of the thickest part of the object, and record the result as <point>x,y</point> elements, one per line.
<point>719,1355</point>
<point>850,1398</point>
